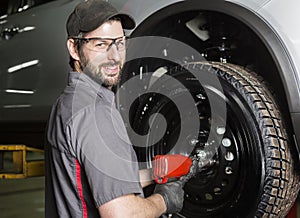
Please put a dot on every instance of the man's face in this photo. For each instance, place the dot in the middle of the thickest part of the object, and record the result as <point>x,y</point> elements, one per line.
<point>100,59</point>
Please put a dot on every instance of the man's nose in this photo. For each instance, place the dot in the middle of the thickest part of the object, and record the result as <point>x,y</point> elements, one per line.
<point>113,53</point>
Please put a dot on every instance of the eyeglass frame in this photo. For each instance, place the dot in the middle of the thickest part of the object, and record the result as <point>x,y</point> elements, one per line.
<point>114,40</point>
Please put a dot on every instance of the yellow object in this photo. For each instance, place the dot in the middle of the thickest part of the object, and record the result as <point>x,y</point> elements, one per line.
<point>20,161</point>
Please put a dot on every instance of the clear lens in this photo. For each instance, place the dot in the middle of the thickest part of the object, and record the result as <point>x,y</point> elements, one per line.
<point>103,45</point>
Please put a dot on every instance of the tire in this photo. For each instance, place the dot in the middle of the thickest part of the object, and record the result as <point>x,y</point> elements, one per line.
<point>280,175</point>
<point>260,179</point>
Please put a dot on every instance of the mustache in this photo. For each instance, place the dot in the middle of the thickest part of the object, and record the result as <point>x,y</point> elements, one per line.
<point>110,64</point>
<point>95,69</point>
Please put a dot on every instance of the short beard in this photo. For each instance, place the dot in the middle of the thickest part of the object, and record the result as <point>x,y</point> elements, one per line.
<point>94,71</point>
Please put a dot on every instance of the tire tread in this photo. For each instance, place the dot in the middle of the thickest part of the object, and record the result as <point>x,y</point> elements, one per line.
<point>281,181</point>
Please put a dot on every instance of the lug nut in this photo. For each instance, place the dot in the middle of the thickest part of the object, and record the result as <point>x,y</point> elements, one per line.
<point>226,142</point>
<point>229,156</point>
<point>221,130</point>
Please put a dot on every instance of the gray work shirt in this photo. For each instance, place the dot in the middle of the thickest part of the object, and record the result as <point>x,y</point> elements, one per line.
<point>89,158</point>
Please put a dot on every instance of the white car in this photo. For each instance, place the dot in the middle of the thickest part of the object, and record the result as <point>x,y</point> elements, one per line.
<point>224,75</point>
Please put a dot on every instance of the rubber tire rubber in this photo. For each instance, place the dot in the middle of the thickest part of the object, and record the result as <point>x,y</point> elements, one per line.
<point>281,181</point>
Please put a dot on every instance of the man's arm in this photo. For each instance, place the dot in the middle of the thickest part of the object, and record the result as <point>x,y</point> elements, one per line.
<point>146,177</point>
<point>133,206</point>
<point>167,198</point>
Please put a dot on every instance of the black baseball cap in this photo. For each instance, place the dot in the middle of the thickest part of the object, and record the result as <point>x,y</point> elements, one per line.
<point>89,15</point>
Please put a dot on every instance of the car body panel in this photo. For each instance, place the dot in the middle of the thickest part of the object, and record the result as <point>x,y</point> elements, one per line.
<point>33,73</point>
<point>285,23</point>
<point>141,10</point>
<point>281,18</point>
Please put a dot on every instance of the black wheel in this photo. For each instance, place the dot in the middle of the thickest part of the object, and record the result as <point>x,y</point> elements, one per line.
<point>252,172</point>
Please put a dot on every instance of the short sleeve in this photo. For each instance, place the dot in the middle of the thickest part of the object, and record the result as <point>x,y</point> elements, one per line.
<point>104,151</point>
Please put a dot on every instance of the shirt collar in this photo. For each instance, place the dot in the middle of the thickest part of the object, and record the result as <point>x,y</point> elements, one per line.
<point>83,79</point>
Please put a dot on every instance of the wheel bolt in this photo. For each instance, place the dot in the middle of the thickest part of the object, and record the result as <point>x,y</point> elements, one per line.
<point>226,142</point>
<point>229,156</point>
<point>221,130</point>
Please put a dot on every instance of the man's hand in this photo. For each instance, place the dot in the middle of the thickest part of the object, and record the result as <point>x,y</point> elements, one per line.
<point>173,194</point>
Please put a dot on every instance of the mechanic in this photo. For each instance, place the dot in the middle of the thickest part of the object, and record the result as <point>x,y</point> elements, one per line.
<point>91,167</point>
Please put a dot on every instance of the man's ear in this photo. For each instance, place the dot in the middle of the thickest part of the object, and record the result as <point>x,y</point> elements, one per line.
<point>72,49</point>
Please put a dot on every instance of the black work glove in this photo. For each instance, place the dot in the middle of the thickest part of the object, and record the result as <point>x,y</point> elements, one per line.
<point>173,194</point>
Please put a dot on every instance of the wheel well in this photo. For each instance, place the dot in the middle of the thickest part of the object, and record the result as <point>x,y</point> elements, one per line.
<point>222,38</point>
<point>228,40</point>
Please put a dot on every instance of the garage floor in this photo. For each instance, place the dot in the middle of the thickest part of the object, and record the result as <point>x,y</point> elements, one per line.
<point>22,198</point>
<point>25,198</point>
